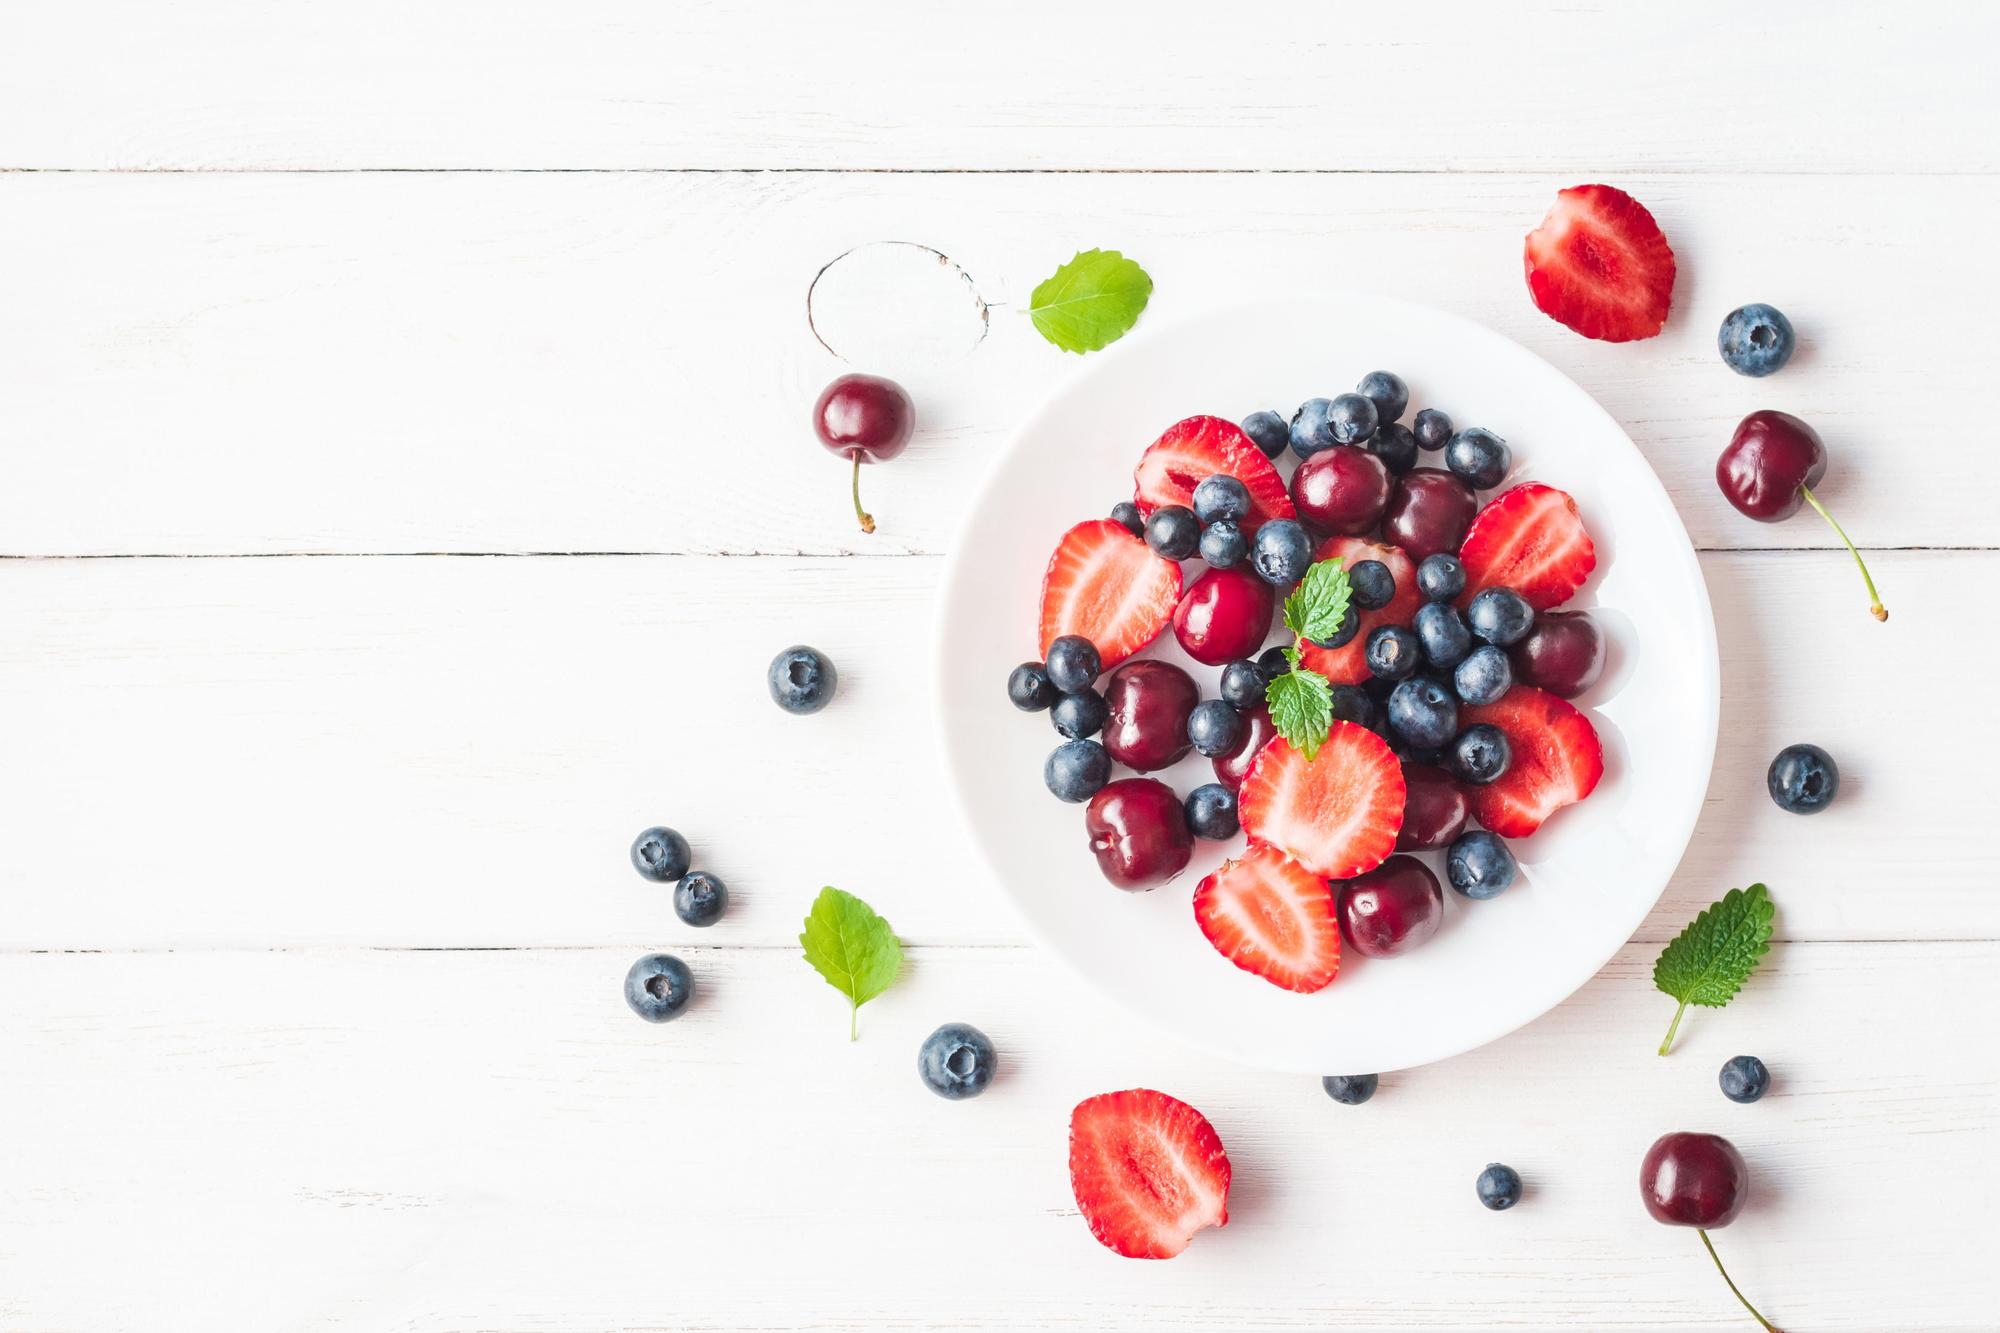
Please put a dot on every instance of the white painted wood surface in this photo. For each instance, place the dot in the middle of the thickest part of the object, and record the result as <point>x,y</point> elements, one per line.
<point>313,903</point>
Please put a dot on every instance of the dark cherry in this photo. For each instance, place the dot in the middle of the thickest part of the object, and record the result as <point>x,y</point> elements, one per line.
<point>1434,809</point>
<point>865,418</point>
<point>1769,468</point>
<point>1233,765</point>
<point>1563,653</point>
<point>1391,909</point>
<point>1224,615</point>
<point>1147,706</point>
<point>1429,511</point>
<point>1342,491</point>
<point>1138,831</point>
<point>1700,1181</point>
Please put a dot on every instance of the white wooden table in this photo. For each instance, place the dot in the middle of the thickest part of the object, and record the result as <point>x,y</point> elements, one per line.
<point>406,481</point>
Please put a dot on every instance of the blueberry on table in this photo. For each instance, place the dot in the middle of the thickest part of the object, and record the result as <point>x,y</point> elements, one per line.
<point>867,419</point>
<point>1484,676</point>
<point>1392,652</point>
<point>956,1061</point>
<point>1441,577</point>
<point>1755,340</point>
<point>1372,585</point>
<point>1223,545</point>
<point>659,987</point>
<point>1479,864</point>
<point>1173,532</point>
<point>1396,446</point>
<point>1481,754</point>
<point>1499,615</point>
<point>1312,427</point>
<point>1213,727</point>
<point>1244,682</point>
<point>1078,715</point>
<point>1268,431</point>
<point>1221,497</point>
<point>1211,812</point>
<point>1499,1186</point>
<point>1281,552</point>
<point>1029,688</point>
<point>1127,515</point>
<point>661,855</point>
<point>1744,1079</point>
<point>802,679</point>
<point>1350,1089</point>
<point>1432,429</point>
<point>1442,634</point>
<point>700,899</point>
<point>1803,779</point>
<point>1423,713</point>
<point>1387,391</point>
<point>1478,457</point>
<point>1073,663</point>
<point>1076,770</point>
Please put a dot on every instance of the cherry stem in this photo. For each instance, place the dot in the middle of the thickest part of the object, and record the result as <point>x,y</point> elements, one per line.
<point>1732,1285</point>
<point>1672,1028</point>
<point>868,519</point>
<point>1875,598</point>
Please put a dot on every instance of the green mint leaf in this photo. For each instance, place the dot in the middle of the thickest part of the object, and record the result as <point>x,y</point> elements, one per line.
<point>1319,604</point>
<point>1090,302</point>
<point>1301,704</point>
<point>1709,961</point>
<point>854,949</point>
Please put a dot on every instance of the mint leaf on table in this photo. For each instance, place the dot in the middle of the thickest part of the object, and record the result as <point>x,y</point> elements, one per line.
<point>852,947</point>
<point>1318,605</point>
<point>1301,704</point>
<point>1708,963</point>
<point>1090,302</point>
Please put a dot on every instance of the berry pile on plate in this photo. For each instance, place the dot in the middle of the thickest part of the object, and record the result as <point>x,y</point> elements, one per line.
<point>1421,687</point>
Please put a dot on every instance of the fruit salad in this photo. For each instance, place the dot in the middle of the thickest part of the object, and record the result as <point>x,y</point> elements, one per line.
<point>1417,703</point>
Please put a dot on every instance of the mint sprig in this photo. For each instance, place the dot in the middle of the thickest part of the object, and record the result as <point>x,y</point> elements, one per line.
<point>1707,963</point>
<point>1301,700</point>
<point>852,947</point>
<point>1318,606</point>
<point>1090,302</point>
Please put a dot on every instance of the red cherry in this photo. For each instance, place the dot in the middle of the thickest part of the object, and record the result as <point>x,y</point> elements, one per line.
<point>1434,809</point>
<point>1700,1181</point>
<point>1563,653</point>
<point>1391,909</point>
<point>1224,615</point>
<point>1147,703</point>
<point>1770,465</point>
<point>865,418</point>
<point>1429,511</point>
<point>1341,491</point>
<point>1138,832</point>
<point>1233,765</point>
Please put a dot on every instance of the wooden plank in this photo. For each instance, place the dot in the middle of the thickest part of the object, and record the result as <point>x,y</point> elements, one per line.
<point>367,363</point>
<point>446,752</point>
<point>329,1138</point>
<point>1545,86</point>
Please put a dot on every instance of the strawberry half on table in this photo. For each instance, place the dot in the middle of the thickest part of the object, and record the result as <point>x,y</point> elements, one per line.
<point>1271,916</point>
<point>1600,265</point>
<point>1336,814</point>
<point>1107,585</point>
<point>1557,761</point>
<point>1530,539</point>
<point>1192,451</point>
<point>1148,1171</point>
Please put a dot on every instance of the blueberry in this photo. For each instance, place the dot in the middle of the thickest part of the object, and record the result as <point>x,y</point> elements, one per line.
<point>1803,779</point>
<point>1221,497</point>
<point>956,1061</point>
<point>1499,1187</point>
<point>1211,812</point>
<point>1080,714</point>
<point>1351,418</point>
<point>1268,431</point>
<point>1481,753</point>
<point>1350,1089</point>
<point>1352,704</point>
<point>1432,429</point>
<point>1423,713</point>
<point>1073,663</point>
<point>1243,683</point>
<point>700,899</point>
<point>1076,770</point>
<point>802,679</point>
<point>1213,727</point>
<point>1373,585</point>
<point>1479,457</point>
<point>1223,544</point>
<point>1395,446</point>
<point>1029,688</point>
<point>1311,429</point>
<point>1428,756</point>
<point>1442,633</point>
<point>661,855</point>
<point>1387,391</point>
<point>1744,1079</point>
<point>1483,676</point>
<point>1479,865</point>
<point>1127,513</point>
<point>1441,577</point>
<point>658,987</point>
<point>1173,532</point>
<point>1392,652</point>
<point>1499,615</point>
<point>1343,634</point>
<point>1271,662</point>
<point>1755,340</point>
<point>1281,553</point>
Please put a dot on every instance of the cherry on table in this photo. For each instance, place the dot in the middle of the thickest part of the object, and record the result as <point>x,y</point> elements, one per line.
<point>1563,653</point>
<point>1341,491</point>
<point>1391,909</point>
<point>1232,766</point>
<point>865,418</point>
<point>1429,511</point>
<point>1139,833</point>
<point>1147,706</point>
<point>1769,468</point>
<point>1224,615</point>
<point>1699,1181</point>
<point>1434,809</point>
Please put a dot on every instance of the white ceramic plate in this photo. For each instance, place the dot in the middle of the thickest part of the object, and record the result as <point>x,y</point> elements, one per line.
<point>1588,877</point>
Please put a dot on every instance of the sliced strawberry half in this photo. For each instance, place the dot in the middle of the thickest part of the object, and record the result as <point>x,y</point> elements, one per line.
<point>1530,539</point>
<point>1557,761</point>
<point>1348,664</point>
<point>1337,814</point>
<point>1108,586</point>
<point>1269,915</point>
<point>1148,1172</point>
<point>1194,450</point>
<point>1600,265</point>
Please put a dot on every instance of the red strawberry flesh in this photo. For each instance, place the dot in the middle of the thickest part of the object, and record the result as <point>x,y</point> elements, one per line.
<point>1530,539</point>
<point>1271,916</point>
<point>1337,814</point>
<point>1148,1171</point>
<point>1557,760</point>
<point>1107,585</point>
<point>1600,265</point>
<point>1192,451</point>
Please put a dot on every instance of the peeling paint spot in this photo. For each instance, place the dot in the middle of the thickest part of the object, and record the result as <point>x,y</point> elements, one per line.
<point>895,306</point>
